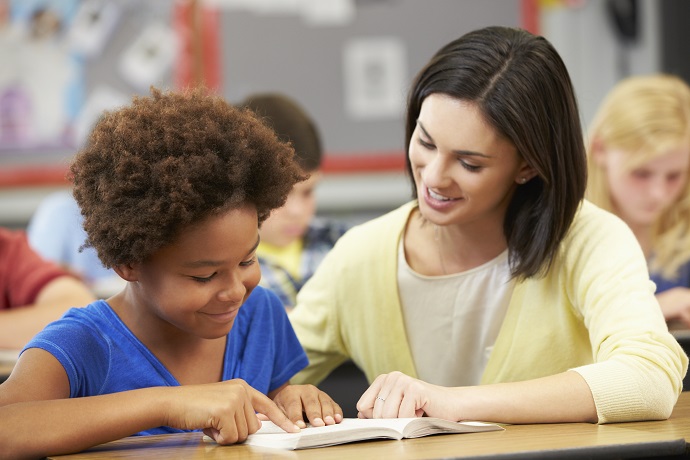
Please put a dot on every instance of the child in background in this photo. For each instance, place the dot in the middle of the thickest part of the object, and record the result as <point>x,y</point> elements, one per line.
<point>34,291</point>
<point>55,232</point>
<point>639,157</point>
<point>497,293</point>
<point>173,189</point>
<point>293,240</point>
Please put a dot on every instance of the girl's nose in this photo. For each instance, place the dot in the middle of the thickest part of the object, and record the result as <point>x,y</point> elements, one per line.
<point>234,291</point>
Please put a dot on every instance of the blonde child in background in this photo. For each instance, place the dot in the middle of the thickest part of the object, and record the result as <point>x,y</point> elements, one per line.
<point>639,158</point>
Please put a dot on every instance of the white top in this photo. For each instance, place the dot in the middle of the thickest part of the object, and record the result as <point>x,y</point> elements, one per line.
<point>452,321</point>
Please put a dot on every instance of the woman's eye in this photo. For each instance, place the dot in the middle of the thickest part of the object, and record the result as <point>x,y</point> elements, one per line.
<point>425,144</point>
<point>469,167</point>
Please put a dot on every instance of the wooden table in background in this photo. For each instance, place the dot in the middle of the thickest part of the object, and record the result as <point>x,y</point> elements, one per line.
<point>568,440</point>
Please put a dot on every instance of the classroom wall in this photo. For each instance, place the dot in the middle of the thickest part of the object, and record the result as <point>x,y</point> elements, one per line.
<point>307,58</point>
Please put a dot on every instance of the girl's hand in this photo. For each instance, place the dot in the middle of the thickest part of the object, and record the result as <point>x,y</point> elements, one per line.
<point>675,304</point>
<point>226,411</point>
<point>299,400</point>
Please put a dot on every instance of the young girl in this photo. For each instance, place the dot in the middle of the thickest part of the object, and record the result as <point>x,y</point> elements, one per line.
<point>173,189</point>
<point>498,294</point>
<point>639,157</point>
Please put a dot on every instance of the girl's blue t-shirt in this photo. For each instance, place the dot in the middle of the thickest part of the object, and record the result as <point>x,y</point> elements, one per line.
<point>102,356</point>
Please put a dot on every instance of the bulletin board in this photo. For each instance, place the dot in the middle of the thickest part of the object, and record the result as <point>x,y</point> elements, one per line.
<point>348,62</point>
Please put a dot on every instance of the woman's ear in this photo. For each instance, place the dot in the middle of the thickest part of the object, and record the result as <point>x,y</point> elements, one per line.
<point>525,174</point>
<point>128,272</point>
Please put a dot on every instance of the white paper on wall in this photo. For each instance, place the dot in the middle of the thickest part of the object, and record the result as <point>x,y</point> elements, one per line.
<point>327,12</point>
<point>102,98</point>
<point>151,54</point>
<point>92,26</point>
<point>375,72</point>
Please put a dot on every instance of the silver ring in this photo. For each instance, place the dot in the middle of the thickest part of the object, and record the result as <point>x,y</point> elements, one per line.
<point>382,399</point>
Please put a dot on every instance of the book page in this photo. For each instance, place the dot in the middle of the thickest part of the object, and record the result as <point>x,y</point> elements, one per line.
<point>349,430</point>
<point>352,429</point>
<point>425,426</point>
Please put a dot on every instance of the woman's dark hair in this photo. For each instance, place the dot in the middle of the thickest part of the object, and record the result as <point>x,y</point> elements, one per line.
<point>522,87</point>
<point>169,160</point>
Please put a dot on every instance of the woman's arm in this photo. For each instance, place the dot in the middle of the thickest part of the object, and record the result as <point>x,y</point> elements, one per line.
<point>558,398</point>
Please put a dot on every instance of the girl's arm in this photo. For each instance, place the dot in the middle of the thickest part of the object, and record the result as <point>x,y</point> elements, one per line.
<point>39,419</point>
<point>675,304</point>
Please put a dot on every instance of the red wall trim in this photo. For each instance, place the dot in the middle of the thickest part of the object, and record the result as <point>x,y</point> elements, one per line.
<point>341,163</point>
<point>529,10</point>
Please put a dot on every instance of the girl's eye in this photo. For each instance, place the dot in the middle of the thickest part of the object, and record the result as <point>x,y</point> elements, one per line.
<point>201,279</point>
<point>249,262</point>
<point>673,177</point>
<point>641,174</point>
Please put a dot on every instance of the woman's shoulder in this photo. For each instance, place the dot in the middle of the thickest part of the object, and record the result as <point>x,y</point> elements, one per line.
<point>600,236</point>
<point>591,219</point>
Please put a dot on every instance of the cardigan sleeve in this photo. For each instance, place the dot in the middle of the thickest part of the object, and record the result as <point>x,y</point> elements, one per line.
<point>315,321</point>
<point>638,366</point>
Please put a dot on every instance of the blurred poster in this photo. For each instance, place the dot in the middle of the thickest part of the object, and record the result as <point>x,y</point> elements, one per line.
<point>93,24</point>
<point>148,59</point>
<point>375,70</point>
<point>41,78</point>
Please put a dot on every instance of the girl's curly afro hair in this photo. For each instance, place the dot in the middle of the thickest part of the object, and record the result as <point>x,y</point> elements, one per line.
<point>169,160</point>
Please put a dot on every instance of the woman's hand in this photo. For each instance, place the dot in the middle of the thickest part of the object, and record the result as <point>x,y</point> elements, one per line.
<point>299,400</point>
<point>397,395</point>
<point>226,411</point>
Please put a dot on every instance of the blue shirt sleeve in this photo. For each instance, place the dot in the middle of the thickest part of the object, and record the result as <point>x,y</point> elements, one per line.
<point>262,346</point>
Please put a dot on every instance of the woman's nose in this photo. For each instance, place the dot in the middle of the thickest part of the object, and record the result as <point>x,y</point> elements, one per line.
<point>435,172</point>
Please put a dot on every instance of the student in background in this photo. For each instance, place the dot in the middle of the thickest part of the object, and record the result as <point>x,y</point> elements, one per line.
<point>639,157</point>
<point>498,294</point>
<point>173,189</point>
<point>293,240</point>
<point>34,291</point>
<point>55,231</point>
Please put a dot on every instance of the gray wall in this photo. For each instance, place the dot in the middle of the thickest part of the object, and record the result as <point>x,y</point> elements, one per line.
<point>282,52</point>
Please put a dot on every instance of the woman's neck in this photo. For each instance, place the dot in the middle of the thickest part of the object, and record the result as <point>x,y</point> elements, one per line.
<point>442,250</point>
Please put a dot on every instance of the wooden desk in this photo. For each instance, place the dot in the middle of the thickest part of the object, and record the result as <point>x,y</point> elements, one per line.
<point>570,440</point>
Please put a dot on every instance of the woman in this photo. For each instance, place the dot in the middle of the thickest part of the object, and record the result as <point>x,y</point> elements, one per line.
<point>639,157</point>
<point>498,293</point>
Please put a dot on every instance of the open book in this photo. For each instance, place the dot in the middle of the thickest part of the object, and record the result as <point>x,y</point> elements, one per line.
<point>353,429</point>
